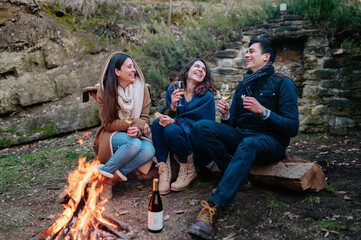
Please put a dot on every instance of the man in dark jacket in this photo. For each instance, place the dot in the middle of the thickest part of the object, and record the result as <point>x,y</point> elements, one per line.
<point>256,129</point>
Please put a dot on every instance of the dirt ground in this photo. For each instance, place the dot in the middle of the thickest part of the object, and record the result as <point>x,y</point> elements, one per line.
<point>262,212</point>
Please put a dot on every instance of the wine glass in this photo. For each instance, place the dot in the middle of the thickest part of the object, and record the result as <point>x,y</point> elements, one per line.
<point>128,115</point>
<point>179,85</point>
<point>225,91</point>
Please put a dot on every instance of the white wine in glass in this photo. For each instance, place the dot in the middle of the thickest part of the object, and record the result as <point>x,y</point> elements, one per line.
<point>179,85</point>
<point>225,91</point>
<point>128,116</point>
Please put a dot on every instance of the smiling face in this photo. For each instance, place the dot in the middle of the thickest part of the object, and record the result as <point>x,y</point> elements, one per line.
<point>197,72</point>
<point>254,57</point>
<point>126,73</point>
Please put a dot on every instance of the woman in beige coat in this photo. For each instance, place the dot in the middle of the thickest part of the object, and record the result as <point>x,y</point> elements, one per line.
<point>120,146</point>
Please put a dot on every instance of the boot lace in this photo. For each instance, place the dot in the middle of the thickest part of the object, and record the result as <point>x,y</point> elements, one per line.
<point>207,213</point>
<point>162,170</point>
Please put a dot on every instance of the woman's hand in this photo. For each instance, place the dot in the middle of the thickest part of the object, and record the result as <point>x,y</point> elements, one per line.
<point>223,108</point>
<point>176,96</point>
<point>132,131</point>
<point>146,129</point>
<point>165,120</point>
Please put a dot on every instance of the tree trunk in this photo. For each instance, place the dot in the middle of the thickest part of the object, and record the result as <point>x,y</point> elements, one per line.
<point>170,13</point>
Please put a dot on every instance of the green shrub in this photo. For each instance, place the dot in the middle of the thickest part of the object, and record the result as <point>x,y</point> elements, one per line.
<point>338,18</point>
<point>351,45</point>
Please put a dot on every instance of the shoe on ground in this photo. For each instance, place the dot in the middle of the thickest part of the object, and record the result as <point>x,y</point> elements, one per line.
<point>187,173</point>
<point>205,225</point>
<point>165,175</point>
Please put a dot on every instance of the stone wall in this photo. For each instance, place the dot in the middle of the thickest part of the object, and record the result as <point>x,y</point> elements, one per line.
<point>328,80</point>
<point>43,67</point>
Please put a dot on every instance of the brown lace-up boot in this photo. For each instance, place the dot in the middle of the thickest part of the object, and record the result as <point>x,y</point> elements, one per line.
<point>205,227</point>
<point>165,175</point>
<point>187,173</point>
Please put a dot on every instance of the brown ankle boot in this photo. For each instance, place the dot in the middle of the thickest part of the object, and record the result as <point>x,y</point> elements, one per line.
<point>107,192</point>
<point>187,173</point>
<point>165,175</point>
<point>205,225</point>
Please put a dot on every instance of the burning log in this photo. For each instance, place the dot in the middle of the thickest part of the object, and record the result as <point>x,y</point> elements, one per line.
<point>82,217</point>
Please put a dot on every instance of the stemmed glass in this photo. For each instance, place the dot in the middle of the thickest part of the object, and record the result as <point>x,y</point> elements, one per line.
<point>128,115</point>
<point>179,85</point>
<point>225,91</point>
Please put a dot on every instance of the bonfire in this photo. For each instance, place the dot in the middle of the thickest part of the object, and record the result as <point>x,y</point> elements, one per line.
<point>82,217</point>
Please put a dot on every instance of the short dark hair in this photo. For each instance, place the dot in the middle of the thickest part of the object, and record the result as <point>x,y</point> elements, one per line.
<point>206,84</point>
<point>267,47</point>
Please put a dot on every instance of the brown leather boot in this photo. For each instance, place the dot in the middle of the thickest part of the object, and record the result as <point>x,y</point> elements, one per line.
<point>109,182</point>
<point>187,173</point>
<point>205,225</point>
<point>165,175</point>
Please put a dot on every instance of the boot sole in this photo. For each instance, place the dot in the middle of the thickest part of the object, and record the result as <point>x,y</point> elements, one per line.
<point>164,193</point>
<point>183,188</point>
<point>199,235</point>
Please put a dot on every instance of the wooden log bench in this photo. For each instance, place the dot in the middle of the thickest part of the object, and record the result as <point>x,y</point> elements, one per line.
<point>293,173</point>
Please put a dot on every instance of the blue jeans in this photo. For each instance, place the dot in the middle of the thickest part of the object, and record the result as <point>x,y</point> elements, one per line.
<point>170,138</point>
<point>234,151</point>
<point>129,153</point>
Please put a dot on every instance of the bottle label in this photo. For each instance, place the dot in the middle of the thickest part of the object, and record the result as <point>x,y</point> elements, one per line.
<point>155,220</point>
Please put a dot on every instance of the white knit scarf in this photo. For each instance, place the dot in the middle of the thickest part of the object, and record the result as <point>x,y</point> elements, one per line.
<point>131,97</point>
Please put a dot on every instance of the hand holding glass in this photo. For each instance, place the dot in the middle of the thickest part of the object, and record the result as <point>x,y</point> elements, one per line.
<point>225,91</point>
<point>128,116</point>
<point>179,85</point>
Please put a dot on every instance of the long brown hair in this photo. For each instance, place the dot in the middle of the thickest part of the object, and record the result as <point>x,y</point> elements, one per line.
<point>206,84</point>
<point>111,84</point>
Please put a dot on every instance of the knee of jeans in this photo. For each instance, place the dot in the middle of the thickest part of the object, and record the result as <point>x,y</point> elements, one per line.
<point>149,151</point>
<point>156,124</point>
<point>251,142</point>
<point>135,144</point>
<point>201,126</point>
<point>171,130</point>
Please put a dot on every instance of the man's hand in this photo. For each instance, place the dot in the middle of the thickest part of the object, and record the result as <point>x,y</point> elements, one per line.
<point>132,131</point>
<point>165,120</point>
<point>176,96</point>
<point>252,105</point>
<point>223,108</point>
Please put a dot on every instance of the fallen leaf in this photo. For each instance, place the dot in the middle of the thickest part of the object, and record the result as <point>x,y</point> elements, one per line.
<point>349,217</point>
<point>327,233</point>
<point>347,198</point>
<point>123,212</point>
<point>342,192</point>
<point>180,211</point>
<point>323,153</point>
<point>291,215</point>
<point>193,202</point>
<point>321,147</point>
<point>166,217</point>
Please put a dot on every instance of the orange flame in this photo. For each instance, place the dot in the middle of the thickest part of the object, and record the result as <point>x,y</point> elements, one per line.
<point>84,186</point>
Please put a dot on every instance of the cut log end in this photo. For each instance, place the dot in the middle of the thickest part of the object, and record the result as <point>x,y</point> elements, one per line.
<point>293,173</point>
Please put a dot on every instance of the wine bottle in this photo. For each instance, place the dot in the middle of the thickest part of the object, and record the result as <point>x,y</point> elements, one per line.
<point>155,210</point>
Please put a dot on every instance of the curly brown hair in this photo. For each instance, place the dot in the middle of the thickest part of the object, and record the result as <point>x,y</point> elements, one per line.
<point>206,84</point>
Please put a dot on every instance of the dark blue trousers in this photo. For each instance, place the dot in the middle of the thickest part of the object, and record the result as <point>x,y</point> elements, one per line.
<point>234,151</point>
<point>170,138</point>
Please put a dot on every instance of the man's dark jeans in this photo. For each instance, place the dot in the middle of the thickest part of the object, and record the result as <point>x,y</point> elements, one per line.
<point>234,151</point>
